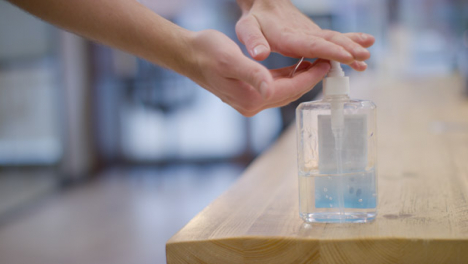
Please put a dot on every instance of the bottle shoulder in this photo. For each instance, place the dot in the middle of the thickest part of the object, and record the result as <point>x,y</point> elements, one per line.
<point>327,104</point>
<point>365,103</point>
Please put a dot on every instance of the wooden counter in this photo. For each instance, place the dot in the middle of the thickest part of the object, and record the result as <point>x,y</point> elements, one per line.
<point>423,192</point>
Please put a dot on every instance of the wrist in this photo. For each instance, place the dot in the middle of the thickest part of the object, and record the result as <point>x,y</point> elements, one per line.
<point>247,5</point>
<point>186,61</point>
<point>193,57</point>
<point>175,51</point>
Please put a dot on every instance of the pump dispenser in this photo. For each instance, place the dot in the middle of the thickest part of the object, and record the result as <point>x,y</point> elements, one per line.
<point>336,141</point>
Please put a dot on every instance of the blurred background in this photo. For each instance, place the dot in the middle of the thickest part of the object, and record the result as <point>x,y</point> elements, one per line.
<point>104,156</point>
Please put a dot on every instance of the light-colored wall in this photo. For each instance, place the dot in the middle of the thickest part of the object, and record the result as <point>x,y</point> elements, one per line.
<point>22,36</point>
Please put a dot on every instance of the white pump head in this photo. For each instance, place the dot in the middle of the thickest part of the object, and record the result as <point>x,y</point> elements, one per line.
<point>336,83</point>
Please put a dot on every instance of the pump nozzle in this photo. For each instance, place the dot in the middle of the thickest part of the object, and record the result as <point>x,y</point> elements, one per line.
<point>335,70</point>
<point>336,82</point>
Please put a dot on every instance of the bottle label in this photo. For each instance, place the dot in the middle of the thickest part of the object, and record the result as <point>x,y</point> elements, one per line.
<point>350,178</point>
<point>354,146</point>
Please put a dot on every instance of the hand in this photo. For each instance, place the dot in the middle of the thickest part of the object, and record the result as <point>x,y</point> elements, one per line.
<point>243,83</point>
<point>278,26</point>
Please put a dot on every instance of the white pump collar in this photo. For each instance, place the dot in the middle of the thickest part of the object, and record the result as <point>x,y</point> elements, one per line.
<point>336,83</point>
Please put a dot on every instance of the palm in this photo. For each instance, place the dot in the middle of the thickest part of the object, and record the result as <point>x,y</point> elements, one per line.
<point>235,79</point>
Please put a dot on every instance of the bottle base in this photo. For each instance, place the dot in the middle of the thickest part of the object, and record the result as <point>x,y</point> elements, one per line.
<point>336,217</point>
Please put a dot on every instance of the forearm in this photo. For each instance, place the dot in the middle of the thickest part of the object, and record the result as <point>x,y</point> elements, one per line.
<point>123,24</point>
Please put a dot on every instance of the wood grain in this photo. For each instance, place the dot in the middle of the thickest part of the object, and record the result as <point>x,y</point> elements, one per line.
<point>423,189</point>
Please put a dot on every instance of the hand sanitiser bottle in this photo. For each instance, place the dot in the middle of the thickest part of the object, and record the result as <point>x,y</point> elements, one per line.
<point>337,155</point>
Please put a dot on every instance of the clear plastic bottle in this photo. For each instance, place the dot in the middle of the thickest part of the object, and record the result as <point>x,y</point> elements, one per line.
<point>337,155</point>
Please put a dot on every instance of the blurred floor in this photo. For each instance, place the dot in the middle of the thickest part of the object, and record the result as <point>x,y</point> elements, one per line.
<point>20,186</point>
<point>125,216</point>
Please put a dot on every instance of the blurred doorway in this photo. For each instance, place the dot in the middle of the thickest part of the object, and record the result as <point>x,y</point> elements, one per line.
<point>30,137</point>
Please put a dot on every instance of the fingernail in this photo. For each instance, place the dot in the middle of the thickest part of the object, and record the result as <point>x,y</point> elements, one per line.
<point>264,89</point>
<point>359,65</point>
<point>259,50</point>
<point>364,37</point>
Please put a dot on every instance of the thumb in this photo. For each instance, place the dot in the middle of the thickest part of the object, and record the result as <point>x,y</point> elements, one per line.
<point>249,32</point>
<point>253,73</point>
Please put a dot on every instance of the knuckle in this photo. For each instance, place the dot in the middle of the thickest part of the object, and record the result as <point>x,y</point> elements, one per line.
<point>255,77</point>
<point>223,61</point>
<point>267,94</point>
<point>252,36</point>
<point>243,20</point>
<point>247,113</point>
<point>326,33</point>
<point>240,25</point>
<point>313,46</point>
<point>256,74</point>
<point>248,108</point>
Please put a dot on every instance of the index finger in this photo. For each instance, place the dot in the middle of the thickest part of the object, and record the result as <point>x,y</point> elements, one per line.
<point>317,47</point>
